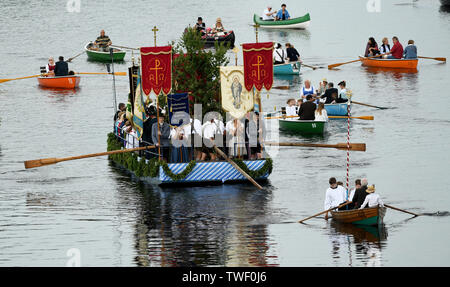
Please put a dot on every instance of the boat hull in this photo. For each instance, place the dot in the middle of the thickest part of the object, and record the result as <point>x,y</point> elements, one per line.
<point>302,126</point>
<point>365,216</point>
<point>287,69</point>
<point>337,109</point>
<point>229,38</point>
<point>67,82</point>
<point>390,63</point>
<point>295,23</point>
<point>101,56</point>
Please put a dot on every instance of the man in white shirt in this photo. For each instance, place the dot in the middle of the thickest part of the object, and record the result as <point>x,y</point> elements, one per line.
<point>372,199</point>
<point>334,196</point>
<point>209,129</point>
<point>278,54</point>
<point>268,14</point>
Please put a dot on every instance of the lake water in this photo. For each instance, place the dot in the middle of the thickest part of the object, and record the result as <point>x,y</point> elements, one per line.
<point>91,211</point>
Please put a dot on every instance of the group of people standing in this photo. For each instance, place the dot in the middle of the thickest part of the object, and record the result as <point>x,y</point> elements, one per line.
<point>311,104</point>
<point>242,138</point>
<point>395,52</point>
<point>361,196</point>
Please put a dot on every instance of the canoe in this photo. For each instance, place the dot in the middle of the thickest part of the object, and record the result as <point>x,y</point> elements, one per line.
<point>302,126</point>
<point>287,69</point>
<point>67,82</point>
<point>101,56</point>
<point>390,63</point>
<point>294,23</point>
<point>336,109</point>
<point>211,39</point>
<point>365,216</point>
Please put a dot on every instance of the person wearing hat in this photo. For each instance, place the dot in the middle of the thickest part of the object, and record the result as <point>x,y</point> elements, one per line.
<point>268,14</point>
<point>218,28</point>
<point>372,199</point>
<point>200,26</point>
<point>322,87</point>
<point>283,14</point>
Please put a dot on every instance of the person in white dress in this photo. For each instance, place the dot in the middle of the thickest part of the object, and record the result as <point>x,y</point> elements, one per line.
<point>320,113</point>
<point>372,199</point>
<point>235,130</point>
<point>291,109</point>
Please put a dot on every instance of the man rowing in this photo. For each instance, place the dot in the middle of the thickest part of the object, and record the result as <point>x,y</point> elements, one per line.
<point>103,41</point>
<point>268,14</point>
<point>334,196</point>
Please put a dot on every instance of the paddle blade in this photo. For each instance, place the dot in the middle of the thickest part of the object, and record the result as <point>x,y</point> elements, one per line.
<point>4,80</point>
<point>281,87</point>
<point>39,162</point>
<point>353,146</point>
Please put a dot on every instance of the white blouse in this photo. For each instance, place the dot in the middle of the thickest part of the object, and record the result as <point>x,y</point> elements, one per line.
<point>321,117</point>
<point>373,200</point>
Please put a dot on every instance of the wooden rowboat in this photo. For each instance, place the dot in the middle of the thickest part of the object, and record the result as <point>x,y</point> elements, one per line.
<point>287,69</point>
<point>294,23</point>
<point>102,56</point>
<point>390,63</point>
<point>302,126</point>
<point>66,82</point>
<point>365,216</point>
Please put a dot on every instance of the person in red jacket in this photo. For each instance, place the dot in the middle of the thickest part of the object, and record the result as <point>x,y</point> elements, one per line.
<point>397,50</point>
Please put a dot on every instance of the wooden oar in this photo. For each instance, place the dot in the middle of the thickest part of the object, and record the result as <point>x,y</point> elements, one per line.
<point>6,80</point>
<point>362,104</point>
<point>339,64</point>
<point>70,59</point>
<point>237,167</point>
<point>281,87</point>
<point>369,118</point>
<point>343,146</point>
<point>437,59</point>
<point>47,161</point>
<point>116,73</point>
<point>312,67</point>
<point>326,211</point>
<point>395,208</point>
<point>123,47</point>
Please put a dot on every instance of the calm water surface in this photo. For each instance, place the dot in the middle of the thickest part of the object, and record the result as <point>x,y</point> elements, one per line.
<point>113,221</point>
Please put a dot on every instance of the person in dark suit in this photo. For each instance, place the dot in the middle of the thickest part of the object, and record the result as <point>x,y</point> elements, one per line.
<point>61,67</point>
<point>328,95</point>
<point>164,136</point>
<point>360,194</point>
<point>307,109</point>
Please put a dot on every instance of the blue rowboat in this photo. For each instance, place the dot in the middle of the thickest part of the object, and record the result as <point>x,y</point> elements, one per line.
<point>337,109</point>
<point>287,69</point>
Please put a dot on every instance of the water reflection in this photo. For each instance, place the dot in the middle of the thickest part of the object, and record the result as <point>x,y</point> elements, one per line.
<point>59,91</point>
<point>363,243</point>
<point>201,226</point>
<point>284,36</point>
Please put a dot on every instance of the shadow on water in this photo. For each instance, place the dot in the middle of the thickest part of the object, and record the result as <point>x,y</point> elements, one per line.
<point>200,226</point>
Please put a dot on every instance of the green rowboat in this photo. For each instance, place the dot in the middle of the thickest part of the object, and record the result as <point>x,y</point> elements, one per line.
<point>302,126</point>
<point>101,56</point>
<point>293,23</point>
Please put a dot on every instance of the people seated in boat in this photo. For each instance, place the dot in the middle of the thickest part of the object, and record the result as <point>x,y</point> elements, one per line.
<point>307,109</point>
<point>236,138</point>
<point>334,196</point>
<point>385,47</point>
<point>320,115</point>
<point>61,68</point>
<point>360,194</point>
<point>283,14</point>
<point>278,54</point>
<point>307,89</point>
<point>292,54</point>
<point>164,136</point>
<point>103,41</point>
<point>50,67</point>
<point>323,86</point>
<point>342,96</point>
<point>269,14</point>
<point>218,29</point>
<point>351,193</point>
<point>410,51</point>
<point>397,50</point>
<point>291,108</point>
<point>371,48</point>
<point>372,199</point>
<point>329,92</point>
<point>200,26</point>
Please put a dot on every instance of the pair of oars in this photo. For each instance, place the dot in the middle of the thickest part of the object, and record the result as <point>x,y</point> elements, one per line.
<point>377,56</point>
<point>368,118</point>
<point>80,73</point>
<point>348,202</point>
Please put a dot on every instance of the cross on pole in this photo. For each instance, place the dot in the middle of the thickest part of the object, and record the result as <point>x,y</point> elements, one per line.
<point>236,51</point>
<point>154,33</point>
<point>256,30</point>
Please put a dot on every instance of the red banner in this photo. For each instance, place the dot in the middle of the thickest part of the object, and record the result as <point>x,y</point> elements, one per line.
<point>258,65</point>
<point>156,69</point>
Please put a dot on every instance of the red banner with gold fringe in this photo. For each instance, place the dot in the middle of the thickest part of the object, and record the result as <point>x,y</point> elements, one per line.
<point>156,69</point>
<point>258,65</point>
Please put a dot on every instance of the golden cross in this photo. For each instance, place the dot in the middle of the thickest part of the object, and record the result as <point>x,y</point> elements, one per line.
<point>258,64</point>
<point>154,33</point>
<point>256,30</point>
<point>156,68</point>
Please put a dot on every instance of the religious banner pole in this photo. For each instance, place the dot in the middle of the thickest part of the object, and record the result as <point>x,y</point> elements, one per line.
<point>157,105</point>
